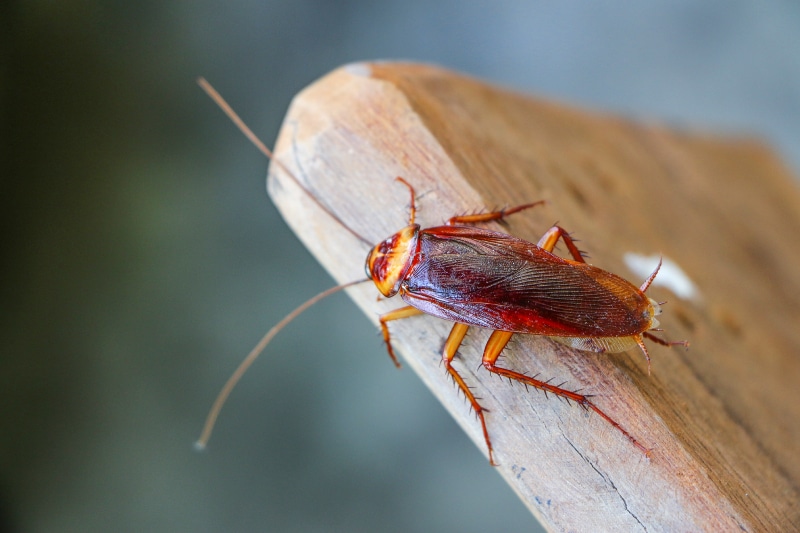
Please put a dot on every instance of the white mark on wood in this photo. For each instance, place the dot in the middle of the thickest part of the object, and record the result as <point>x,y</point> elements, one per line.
<point>670,276</point>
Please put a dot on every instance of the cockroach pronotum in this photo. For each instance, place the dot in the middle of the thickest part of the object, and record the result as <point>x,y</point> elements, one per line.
<point>478,277</point>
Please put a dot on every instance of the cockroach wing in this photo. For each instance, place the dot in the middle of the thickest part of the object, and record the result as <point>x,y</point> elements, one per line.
<point>493,280</point>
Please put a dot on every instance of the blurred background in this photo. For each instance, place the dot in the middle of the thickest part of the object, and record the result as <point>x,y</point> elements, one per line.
<point>143,259</point>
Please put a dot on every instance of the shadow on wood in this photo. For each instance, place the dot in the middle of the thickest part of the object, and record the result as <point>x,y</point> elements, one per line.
<point>723,419</point>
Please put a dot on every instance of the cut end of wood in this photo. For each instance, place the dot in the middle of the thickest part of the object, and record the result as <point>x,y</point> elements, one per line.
<point>721,420</point>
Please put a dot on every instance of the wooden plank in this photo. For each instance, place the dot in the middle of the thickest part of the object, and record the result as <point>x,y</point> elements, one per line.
<point>721,419</point>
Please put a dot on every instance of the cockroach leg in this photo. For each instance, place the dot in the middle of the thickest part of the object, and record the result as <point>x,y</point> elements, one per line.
<point>640,341</point>
<point>651,277</point>
<point>451,345</point>
<point>662,342</point>
<point>396,314</point>
<point>453,342</point>
<point>495,345</point>
<point>492,215</point>
<point>550,238</point>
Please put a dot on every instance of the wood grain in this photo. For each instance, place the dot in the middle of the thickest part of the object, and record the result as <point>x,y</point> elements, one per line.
<point>723,419</point>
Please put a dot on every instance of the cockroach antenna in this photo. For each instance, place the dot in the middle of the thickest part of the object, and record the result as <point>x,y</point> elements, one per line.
<point>211,419</point>
<point>228,110</point>
<point>259,348</point>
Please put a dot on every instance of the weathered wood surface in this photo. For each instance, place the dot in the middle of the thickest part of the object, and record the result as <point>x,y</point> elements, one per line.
<point>723,419</point>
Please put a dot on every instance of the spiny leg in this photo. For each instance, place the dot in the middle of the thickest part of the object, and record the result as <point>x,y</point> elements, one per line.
<point>550,238</point>
<point>499,339</point>
<point>662,342</point>
<point>397,314</point>
<point>492,215</point>
<point>640,342</point>
<point>651,277</point>
<point>451,345</point>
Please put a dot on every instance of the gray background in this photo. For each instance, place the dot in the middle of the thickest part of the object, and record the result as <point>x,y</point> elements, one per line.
<point>143,258</point>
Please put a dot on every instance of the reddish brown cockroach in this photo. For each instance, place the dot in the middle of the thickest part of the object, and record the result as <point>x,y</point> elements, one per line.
<point>478,277</point>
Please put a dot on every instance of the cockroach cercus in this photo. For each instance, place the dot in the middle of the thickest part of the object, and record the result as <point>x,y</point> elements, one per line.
<point>477,277</point>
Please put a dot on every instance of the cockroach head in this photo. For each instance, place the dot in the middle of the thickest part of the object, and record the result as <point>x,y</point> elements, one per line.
<point>389,262</point>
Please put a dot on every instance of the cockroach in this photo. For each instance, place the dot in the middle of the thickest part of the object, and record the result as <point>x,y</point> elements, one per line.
<point>478,277</point>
